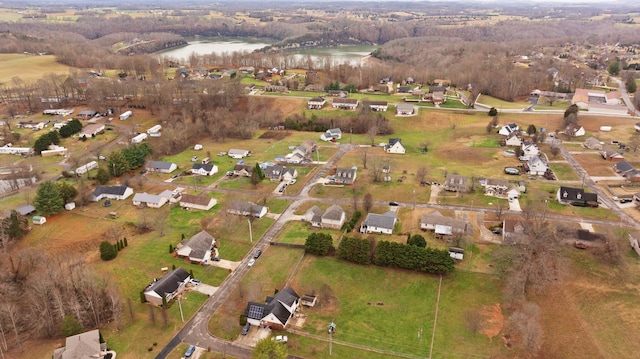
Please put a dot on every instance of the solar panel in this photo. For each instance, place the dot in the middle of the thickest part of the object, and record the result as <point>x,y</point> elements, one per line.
<point>255,312</point>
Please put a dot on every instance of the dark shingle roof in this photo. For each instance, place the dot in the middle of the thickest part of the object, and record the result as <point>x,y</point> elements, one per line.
<point>111,190</point>
<point>170,282</point>
<point>206,167</point>
<point>160,165</point>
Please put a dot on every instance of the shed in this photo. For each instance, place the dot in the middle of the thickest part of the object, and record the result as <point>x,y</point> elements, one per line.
<point>309,300</point>
<point>456,253</point>
<point>69,206</point>
<point>39,220</point>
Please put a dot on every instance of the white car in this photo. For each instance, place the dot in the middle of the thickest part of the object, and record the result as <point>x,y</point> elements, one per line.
<point>293,181</point>
<point>251,262</point>
<point>280,338</point>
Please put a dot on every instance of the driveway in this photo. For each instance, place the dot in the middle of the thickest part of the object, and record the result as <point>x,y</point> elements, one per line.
<point>514,205</point>
<point>224,263</point>
<point>205,289</point>
<point>254,336</point>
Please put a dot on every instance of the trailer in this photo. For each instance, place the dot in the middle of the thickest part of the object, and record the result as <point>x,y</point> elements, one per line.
<point>125,115</point>
<point>154,129</point>
<point>86,168</point>
<point>139,138</point>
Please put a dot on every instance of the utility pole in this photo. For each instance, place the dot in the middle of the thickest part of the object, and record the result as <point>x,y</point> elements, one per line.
<point>414,198</point>
<point>250,233</point>
<point>180,305</point>
<point>332,328</point>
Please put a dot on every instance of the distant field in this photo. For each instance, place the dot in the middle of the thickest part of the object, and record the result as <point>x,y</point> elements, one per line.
<point>28,67</point>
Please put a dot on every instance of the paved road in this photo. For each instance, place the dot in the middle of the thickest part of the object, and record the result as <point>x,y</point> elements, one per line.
<point>625,96</point>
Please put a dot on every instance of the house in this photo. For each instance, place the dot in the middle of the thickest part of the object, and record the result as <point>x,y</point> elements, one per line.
<point>25,209</point>
<point>316,103</point>
<point>345,175</point>
<point>244,208</point>
<point>379,223</point>
<point>334,217</point>
<point>277,173</point>
<point>456,183</point>
<point>167,287</point>
<point>378,106</point>
<point>529,150</point>
<point>536,166</point>
<point>197,249</point>
<point>443,225</point>
<point>331,134</point>
<point>394,146</point>
<point>197,202</point>
<point>574,130</point>
<point>54,151</point>
<point>82,346</point>
<point>275,88</point>
<point>512,230</point>
<point>513,192</point>
<point>243,170</point>
<point>39,220</point>
<point>592,143</point>
<point>314,216</point>
<point>570,195</point>
<point>302,153</point>
<point>622,167</point>
<point>495,187</point>
<point>345,103</point>
<point>337,93</point>
<point>111,192</point>
<point>10,150</point>
<point>91,130</point>
<point>507,129</point>
<point>405,109</point>
<point>276,311</point>
<point>598,101</point>
<point>633,175</point>
<point>610,154</point>
<point>237,154</point>
<point>161,166</point>
<point>513,139</point>
<point>149,200</point>
<point>203,169</point>
<point>634,240</point>
<point>139,138</point>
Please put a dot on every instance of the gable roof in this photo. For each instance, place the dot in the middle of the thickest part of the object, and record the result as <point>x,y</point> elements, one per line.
<point>316,214</point>
<point>199,200</point>
<point>386,220</point>
<point>161,165</point>
<point>276,305</point>
<point>623,167</point>
<point>334,212</point>
<point>437,218</point>
<point>169,283</point>
<point>25,209</point>
<point>199,244</point>
<point>576,194</point>
<point>207,167</point>
<point>81,346</point>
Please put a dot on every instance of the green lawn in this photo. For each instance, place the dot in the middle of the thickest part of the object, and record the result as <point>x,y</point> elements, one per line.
<point>386,309</point>
<point>564,171</point>
<point>501,104</point>
<point>297,232</point>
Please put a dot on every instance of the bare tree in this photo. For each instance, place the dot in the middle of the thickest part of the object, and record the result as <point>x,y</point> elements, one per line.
<point>525,322</point>
<point>368,201</point>
<point>364,159</point>
<point>11,312</point>
<point>473,321</point>
<point>421,174</point>
<point>160,221</point>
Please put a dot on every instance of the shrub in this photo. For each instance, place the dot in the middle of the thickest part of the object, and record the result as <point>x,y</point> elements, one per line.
<point>243,319</point>
<point>354,250</point>
<point>493,112</point>
<point>318,244</point>
<point>107,251</point>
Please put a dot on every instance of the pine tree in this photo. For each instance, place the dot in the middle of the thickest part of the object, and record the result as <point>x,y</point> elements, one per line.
<point>48,199</point>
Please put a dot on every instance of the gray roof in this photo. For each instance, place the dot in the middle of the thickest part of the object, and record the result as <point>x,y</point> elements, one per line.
<point>436,218</point>
<point>147,198</point>
<point>161,165</point>
<point>81,346</point>
<point>111,190</point>
<point>207,167</point>
<point>333,213</point>
<point>169,283</point>
<point>199,244</point>
<point>404,107</point>
<point>25,209</point>
<point>316,214</point>
<point>387,220</point>
<point>274,305</point>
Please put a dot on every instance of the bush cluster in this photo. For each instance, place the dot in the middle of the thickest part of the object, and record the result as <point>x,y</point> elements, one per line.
<point>72,127</point>
<point>348,226</point>
<point>43,142</point>
<point>318,244</point>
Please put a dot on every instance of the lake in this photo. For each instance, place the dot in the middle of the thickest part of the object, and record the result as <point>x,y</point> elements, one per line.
<point>343,54</point>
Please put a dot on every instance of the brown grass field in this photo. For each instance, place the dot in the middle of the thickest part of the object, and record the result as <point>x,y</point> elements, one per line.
<point>31,67</point>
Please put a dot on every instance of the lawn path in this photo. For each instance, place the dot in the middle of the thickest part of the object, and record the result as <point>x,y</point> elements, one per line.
<point>435,319</point>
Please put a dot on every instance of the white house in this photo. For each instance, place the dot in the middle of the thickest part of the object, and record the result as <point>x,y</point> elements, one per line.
<point>379,223</point>
<point>331,134</point>
<point>237,153</point>
<point>507,129</point>
<point>111,192</point>
<point>139,138</point>
<point>149,200</point>
<point>536,165</point>
<point>91,130</point>
<point>54,151</point>
<point>244,208</point>
<point>125,115</point>
<point>86,168</point>
<point>513,139</point>
<point>574,130</point>
<point>334,217</point>
<point>278,173</point>
<point>161,166</point>
<point>394,146</point>
<point>378,106</point>
<point>529,150</point>
<point>10,150</point>
<point>197,249</point>
<point>316,103</point>
<point>203,169</point>
<point>168,287</point>
<point>345,175</point>
<point>443,225</point>
<point>345,103</point>
<point>275,311</point>
<point>405,109</point>
<point>197,202</point>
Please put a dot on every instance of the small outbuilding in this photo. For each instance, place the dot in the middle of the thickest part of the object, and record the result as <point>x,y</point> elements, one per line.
<point>39,220</point>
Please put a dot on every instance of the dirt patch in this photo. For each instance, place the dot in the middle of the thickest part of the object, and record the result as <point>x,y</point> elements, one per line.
<point>492,320</point>
<point>275,135</point>
<point>595,165</point>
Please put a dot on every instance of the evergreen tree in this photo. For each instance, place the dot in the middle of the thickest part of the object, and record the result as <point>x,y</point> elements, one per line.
<point>67,191</point>
<point>107,251</point>
<point>71,326</point>
<point>631,85</point>
<point>48,199</point>
<point>126,244</point>
<point>102,176</point>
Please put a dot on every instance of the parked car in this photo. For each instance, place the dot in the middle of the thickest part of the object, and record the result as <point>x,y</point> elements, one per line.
<point>245,329</point>
<point>195,281</point>
<point>257,254</point>
<point>625,200</point>
<point>393,203</point>
<point>107,203</point>
<point>174,176</point>
<point>190,350</point>
<point>252,261</point>
<point>293,181</point>
<point>280,338</point>
<point>194,158</point>
<point>229,173</point>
